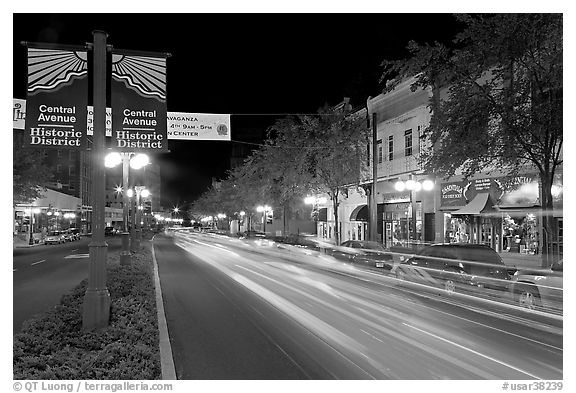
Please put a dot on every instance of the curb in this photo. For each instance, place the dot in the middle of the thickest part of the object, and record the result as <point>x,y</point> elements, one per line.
<point>166,359</point>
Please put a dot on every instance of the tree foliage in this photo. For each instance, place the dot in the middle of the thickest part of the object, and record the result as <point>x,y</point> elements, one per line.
<point>30,174</point>
<point>498,96</point>
<point>302,155</point>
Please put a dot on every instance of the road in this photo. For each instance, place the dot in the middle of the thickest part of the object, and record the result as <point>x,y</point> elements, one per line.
<point>239,311</point>
<point>42,274</point>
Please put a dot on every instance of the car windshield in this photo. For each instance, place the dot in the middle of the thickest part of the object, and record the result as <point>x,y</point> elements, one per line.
<point>54,233</point>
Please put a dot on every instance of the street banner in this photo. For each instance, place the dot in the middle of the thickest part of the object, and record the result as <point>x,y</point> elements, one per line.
<point>138,103</point>
<point>18,113</point>
<point>57,99</point>
<point>181,125</point>
<point>198,126</point>
<point>90,121</point>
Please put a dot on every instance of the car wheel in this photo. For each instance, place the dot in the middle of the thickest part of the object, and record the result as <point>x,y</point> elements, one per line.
<point>529,298</point>
<point>449,287</point>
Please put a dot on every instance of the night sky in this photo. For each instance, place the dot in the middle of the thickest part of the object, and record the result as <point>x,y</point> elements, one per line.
<point>252,66</point>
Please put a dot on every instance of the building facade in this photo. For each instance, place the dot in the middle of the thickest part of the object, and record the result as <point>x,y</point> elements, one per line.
<point>492,208</point>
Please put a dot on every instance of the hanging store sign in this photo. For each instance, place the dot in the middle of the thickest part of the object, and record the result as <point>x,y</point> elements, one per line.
<point>198,126</point>
<point>139,103</point>
<point>56,99</point>
<point>505,190</point>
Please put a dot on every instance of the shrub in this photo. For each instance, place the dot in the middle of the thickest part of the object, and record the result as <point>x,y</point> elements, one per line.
<point>53,346</point>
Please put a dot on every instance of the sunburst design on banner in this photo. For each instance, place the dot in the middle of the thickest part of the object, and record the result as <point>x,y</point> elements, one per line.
<point>50,69</point>
<point>145,75</point>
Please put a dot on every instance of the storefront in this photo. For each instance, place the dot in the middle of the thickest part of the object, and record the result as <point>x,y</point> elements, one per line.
<point>501,212</point>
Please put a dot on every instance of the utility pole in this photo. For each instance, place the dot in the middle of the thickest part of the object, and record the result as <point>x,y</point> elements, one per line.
<point>96,312</point>
<point>373,208</point>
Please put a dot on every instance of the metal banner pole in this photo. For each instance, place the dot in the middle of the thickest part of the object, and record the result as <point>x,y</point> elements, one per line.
<point>125,256</point>
<point>96,310</point>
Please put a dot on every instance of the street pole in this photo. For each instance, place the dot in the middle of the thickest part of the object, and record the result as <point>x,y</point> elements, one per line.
<point>125,256</point>
<point>31,227</point>
<point>96,310</point>
<point>133,244</point>
<point>373,206</point>
<point>412,232</point>
<point>138,217</point>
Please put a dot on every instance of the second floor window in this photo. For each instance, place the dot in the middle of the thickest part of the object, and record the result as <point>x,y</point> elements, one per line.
<point>390,148</point>
<point>408,142</point>
<point>379,151</point>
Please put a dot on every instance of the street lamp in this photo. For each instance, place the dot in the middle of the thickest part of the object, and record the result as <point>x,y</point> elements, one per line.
<point>264,209</point>
<point>32,211</point>
<point>314,200</point>
<point>413,186</point>
<point>128,160</point>
<point>141,191</point>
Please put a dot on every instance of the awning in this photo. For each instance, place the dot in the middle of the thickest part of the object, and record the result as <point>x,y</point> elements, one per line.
<point>323,214</point>
<point>360,213</point>
<point>482,203</point>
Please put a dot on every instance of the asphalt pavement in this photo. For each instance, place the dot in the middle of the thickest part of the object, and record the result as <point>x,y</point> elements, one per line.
<point>239,311</point>
<point>43,273</point>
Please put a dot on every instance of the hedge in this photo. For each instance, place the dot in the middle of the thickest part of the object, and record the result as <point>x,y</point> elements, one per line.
<point>53,346</point>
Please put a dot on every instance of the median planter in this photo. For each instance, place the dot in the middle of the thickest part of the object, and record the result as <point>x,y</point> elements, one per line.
<point>53,346</point>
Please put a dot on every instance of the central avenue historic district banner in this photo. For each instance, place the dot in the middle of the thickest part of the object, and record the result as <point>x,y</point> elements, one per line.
<point>180,125</point>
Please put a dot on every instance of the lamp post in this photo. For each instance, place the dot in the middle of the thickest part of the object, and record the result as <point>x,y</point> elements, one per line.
<point>134,161</point>
<point>31,224</point>
<point>264,209</point>
<point>413,186</point>
<point>314,201</point>
<point>96,308</point>
<point>141,191</point>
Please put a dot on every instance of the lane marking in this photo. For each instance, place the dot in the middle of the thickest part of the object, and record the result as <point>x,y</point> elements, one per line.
<point>473,351</point>
<point>36,263</point>
<point>491,327</point>
<point>77,256</point>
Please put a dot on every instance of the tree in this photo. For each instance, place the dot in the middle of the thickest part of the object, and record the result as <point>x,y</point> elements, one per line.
<point>497,99</point>
<point>30,173</point>
<point>335,155</point>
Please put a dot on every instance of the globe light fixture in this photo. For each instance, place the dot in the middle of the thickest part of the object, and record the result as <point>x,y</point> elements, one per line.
<point>145,193</point>
<point>139,161</point>
<point>112,159</point>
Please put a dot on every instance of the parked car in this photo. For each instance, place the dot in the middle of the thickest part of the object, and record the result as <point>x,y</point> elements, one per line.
<point>539,288</point>
<point>75,233</point>
<point>363,252</point>
<point>69,235</point>
<point>458,267</point>
<point>55,237</point>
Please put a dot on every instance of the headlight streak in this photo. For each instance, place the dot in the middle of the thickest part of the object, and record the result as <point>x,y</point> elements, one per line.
<point>473,351</point>
<point>381,325</point>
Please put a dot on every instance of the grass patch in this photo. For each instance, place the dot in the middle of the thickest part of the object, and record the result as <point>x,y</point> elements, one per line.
<point>53,346</point>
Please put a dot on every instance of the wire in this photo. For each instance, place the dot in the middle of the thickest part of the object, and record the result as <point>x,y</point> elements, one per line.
<point>289,147</point>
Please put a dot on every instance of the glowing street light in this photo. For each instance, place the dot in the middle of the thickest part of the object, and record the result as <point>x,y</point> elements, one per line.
<point>413,186</point>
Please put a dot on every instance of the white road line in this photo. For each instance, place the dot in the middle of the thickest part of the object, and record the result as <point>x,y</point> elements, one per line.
<point>473,351</point>
<point>77,256</point>
<point>36,263</point>
<point>499,330</point>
